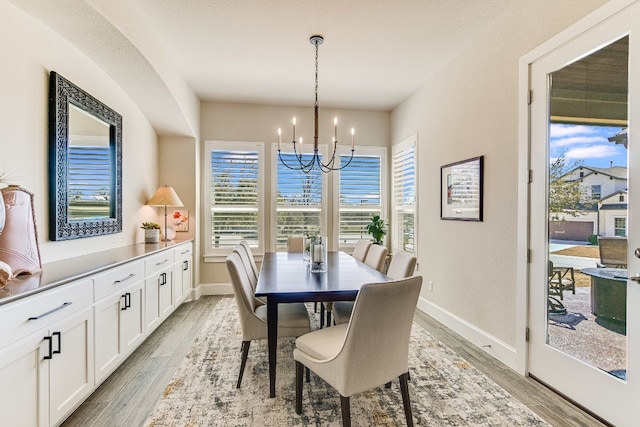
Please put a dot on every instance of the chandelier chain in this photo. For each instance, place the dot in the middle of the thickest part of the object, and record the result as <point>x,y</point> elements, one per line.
<point>316,103</point>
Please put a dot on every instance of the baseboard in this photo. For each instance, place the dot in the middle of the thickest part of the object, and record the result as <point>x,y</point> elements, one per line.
<point>216,289</point>
<point>491,345</point>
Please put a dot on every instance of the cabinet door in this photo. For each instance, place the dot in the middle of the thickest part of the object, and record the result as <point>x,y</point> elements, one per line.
<point>186,269</point>
<point>158,298</point>
<point>25,381</point>
<point>71,369</point>
<point>108,346</point>
<point>132,319</point>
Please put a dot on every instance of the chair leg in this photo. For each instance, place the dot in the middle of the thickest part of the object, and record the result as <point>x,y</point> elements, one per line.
<point>388,385</point>
<point>328,318</point>
<point>307,374</point>
<point>245,352</point>
<point>315,307</point>
<point>404,389</point>
<point>299,368</point>
<point>321,315</point>
<point>346,411</point>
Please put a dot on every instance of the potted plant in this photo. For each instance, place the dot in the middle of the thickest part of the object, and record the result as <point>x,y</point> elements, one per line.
<point>377,229</point>
<point>151,232</point>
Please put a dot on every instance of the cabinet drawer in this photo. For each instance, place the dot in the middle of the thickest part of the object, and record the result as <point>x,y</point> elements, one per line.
<point>27,316</point>
<point>117,279</point>
<point>157,262</point>
<point>183,252</point>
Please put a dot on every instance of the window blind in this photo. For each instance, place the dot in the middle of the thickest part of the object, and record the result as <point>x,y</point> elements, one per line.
<point>360,196</point>
<point>234,197</point>
<point>299,200</point>
<point>89,181</point>
<point>404,198</point>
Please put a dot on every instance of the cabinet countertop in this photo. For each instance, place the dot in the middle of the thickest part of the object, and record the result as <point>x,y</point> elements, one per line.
<point>68,270</point>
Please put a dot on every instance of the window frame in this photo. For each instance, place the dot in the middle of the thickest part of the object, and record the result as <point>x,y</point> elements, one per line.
<point>273,225</point>
<point>404,145</point>
<point>218,254</point>
<point>360,150</point>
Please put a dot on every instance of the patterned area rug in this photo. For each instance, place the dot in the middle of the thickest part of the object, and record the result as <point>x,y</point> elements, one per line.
<point>445,390</point>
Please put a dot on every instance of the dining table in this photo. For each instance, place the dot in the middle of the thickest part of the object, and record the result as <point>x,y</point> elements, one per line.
<point>286,277</point>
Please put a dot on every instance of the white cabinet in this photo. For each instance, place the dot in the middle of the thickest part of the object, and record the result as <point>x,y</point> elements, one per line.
<point>119,316</point>
<point>183,273</point>
<point>158,289</point>
<point>49,369</point>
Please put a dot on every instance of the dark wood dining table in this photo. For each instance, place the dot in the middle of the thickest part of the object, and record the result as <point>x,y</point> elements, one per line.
<point>285,277</point>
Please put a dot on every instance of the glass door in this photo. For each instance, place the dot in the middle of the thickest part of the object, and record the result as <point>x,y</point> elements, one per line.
<point>582,222</point>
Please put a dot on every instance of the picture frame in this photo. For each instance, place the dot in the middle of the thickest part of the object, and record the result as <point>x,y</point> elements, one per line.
<point>461,190</point>
<point>180,219</point>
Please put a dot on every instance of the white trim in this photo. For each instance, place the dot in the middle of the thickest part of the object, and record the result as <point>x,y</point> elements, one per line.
<point>490,344</point>
<point>216,289</point>
<point>411,141</point>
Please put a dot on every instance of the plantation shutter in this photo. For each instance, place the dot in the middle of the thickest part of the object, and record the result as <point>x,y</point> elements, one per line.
<point>89,184</point>
<point>360,196</point>
<point>234,198</point>
<point>299,200</point>
<point>404,198</point>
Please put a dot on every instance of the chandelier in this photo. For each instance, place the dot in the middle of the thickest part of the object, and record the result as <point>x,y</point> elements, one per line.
<point>315,161</point>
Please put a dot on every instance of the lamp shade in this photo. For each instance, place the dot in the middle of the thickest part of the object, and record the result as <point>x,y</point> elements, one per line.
<point>165,196</point>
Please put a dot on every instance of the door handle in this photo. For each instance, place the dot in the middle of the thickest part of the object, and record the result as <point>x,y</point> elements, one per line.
<point>637,252</point>
<point>635,278</point>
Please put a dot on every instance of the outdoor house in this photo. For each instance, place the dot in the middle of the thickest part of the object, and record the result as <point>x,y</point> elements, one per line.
<point>198,105</point>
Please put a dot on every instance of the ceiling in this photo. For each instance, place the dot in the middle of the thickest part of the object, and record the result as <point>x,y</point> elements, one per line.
<point>375,53</point>
<point>161,52</point>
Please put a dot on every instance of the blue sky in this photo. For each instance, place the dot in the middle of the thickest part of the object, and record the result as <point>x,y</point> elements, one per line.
<point>586,143</point>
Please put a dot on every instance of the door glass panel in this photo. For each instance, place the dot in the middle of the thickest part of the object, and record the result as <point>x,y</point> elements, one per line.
<point>587,209</point>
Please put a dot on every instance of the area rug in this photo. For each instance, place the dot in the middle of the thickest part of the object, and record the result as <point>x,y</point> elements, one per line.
<point>445,390</point>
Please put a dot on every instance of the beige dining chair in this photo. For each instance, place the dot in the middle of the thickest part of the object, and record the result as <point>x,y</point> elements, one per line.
<point>252,260</point>
<point>376,256</point>
<point>293,318</point>
<point>402,265</point>
<point>253,280</point>
<point>361,249</point>
<point>369,351</point>
<point>295,244</point>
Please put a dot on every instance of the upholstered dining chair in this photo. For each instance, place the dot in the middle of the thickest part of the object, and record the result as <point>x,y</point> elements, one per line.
<point>293,318</point>
<point>295,244</point>
<point>369,351</point>
<point>253,279</point>
<point>252,260</point>
<point>361,249</point>
<point>402,265</point>
<point>376,256</point>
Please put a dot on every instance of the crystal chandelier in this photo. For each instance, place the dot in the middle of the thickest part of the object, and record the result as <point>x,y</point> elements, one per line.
<point>315,162</point>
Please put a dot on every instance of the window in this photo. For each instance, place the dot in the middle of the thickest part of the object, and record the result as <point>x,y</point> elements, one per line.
<point>233,195</point>
<point>404,189</point>
<point>620,227</point>
<point>596,192</point>
<point>360,193</point>
<point>621,198</point>
<point>299,200</point>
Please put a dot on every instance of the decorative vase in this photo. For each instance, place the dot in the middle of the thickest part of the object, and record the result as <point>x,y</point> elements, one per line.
<point>152,235</point>
<point>318,254</point>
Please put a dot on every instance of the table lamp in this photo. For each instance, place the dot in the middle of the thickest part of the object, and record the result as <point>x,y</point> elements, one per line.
<point>165,196</point>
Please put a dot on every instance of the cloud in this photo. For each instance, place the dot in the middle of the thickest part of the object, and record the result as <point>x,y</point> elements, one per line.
<point>592,152</point>
<point>561,131</point>
<point>576,140</point>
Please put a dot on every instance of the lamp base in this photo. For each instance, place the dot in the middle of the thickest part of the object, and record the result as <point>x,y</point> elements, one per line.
<point>169,234</point>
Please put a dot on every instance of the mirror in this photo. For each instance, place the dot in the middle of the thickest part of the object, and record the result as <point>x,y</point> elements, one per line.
<point>85,164</point>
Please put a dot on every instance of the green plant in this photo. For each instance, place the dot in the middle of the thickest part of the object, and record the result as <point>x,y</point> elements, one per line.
<point>150,226</point>
<point>593,239</point>
<point>377,229</point>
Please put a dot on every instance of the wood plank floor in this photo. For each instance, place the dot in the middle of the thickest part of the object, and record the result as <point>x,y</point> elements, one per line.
<point>130,393</point>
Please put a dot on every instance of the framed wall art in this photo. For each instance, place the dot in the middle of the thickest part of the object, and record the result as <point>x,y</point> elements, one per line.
<point>180,219</point>
<point>461,190</point>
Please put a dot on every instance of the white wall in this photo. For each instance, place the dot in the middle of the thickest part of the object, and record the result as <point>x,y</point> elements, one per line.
<point>470,108</point>
<point>29,51</point>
